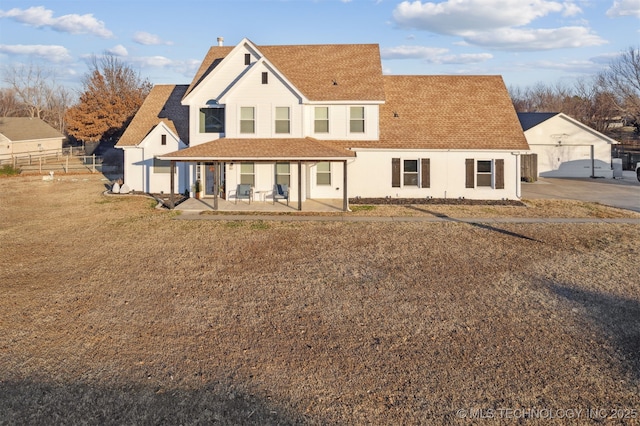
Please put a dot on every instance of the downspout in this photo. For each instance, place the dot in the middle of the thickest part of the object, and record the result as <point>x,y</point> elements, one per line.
<point>518,178</point>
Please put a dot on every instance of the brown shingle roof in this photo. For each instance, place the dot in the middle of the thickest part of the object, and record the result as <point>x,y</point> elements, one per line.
<point>263,149</point>
<point>26,128</point>
<point>447,112</point>
<point>312,69</point>
<point>161,104</point>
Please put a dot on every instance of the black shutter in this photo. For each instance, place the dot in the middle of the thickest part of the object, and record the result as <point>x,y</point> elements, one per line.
<point>499,178</point>
<point>425,173</point>
<point>470,171</point>
<point>395,173</point>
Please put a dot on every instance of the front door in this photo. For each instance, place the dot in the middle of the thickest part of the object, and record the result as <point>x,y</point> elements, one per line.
<point>210,170</point>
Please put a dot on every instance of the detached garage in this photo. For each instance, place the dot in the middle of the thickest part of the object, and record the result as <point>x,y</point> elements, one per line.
<point>565,147</point>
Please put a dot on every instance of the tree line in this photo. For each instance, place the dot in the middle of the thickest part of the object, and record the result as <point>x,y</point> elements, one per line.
<point>112,92</point>
<point>110,95</point>
<point>597,101</point>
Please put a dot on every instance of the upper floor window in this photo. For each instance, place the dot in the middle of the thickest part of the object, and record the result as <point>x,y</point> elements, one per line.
<point>247,58</point>
<point>321,121</point>
<point>283,123</point>
<point>247,120</point>
<point>265,78</point>
<point>212,120</point>
<point>163,139</point>
<point>356,120</point>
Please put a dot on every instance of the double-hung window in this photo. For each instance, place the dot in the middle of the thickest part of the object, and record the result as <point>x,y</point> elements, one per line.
<point>283,174</point>
<point>410,173</point>
<point>247,120</point>
<point>247,174</point>
<point>484,173</point>
<point>321,120</point>
<point>283,122</point>
<point>356,119</point>
<point>323,173</point>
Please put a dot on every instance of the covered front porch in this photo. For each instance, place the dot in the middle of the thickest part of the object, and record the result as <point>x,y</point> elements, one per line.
<point>227,158</point>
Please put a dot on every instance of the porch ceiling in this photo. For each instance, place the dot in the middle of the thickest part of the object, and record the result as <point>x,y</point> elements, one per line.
<point>257,149</point>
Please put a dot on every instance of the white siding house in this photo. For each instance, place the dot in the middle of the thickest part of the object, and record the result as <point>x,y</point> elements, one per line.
<point>326,122</point>
<point>566,147</point>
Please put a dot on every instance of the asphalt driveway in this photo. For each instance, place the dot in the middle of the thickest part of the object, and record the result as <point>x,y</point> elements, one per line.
<point>622,193</point>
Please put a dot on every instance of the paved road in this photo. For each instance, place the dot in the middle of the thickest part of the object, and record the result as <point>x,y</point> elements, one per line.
<point>622,193</point>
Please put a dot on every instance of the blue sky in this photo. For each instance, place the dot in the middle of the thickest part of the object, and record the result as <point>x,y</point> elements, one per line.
<point>525,41</point>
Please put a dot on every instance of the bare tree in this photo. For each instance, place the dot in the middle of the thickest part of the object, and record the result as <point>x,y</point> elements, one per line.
<point>622,82</point>
<point>9,104</point>
<point>33,92</point>
<point>112,93</point>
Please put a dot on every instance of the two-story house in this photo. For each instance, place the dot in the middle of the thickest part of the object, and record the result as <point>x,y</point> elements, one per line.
<point>326,122</point>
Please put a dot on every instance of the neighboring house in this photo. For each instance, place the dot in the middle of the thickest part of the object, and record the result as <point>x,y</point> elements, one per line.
<point>24,136</point>
<point>325,121</point>
<point>565,147</point>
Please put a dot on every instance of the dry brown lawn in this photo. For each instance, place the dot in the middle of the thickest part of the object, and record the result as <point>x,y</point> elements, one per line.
<point>111,312</point>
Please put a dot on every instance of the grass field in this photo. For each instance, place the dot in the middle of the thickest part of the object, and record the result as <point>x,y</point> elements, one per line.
<point>111,312</point>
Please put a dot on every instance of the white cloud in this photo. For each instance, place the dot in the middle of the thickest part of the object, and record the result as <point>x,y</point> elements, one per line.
<point>571,9</point>
<point>624,8</point>
<point>432,55</point>
<point>50,53</point>
<point>118,50</point>
<point>466,58</point>
<point>40,17</point>
<point>514,39</point>
<point>411,52</point>
<point>459,17</point>
<point>148,39</point>
<point>497,24</point>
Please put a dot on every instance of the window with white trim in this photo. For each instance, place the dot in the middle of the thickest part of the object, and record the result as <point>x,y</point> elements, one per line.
<point>247,174</point>
<point>283,174</point>
<point>323,173</point>
<point>410,173</point>
<point>247,120</point>
<point>484,173</point>
<point>283,121</point>
<point>321,120</point>
<point>356,119</point>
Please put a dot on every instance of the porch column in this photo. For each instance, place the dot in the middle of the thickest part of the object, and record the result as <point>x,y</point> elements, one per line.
<point>299,186</point>
<point>172,172</point>
<point>216,170</point>
<point>345,194</point>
